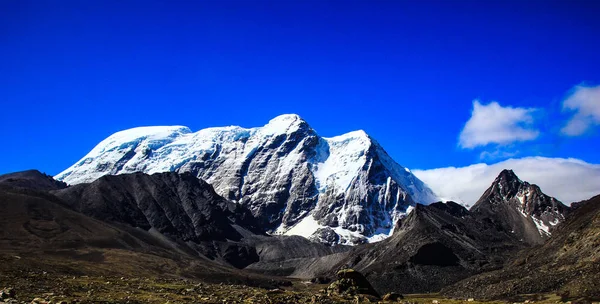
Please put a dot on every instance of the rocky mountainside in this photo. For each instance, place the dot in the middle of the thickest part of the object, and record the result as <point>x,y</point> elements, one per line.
<point>340,190</point>
<point>41,237</point>
<point>520,208</point>
<point>161,219</point>
<point>180,207</point>
<point>434,246</point>
<point>186,211</point>
<point>177,205</point>
<point>568,263</point>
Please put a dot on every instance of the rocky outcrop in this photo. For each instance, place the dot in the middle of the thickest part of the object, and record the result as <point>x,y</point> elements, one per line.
<point>351,282</point>
<point>345,189</point>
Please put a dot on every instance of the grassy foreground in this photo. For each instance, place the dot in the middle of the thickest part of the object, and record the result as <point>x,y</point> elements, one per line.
<point>46,288</point>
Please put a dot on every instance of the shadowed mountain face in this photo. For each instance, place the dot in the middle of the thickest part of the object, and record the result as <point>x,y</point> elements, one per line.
<point>568,263</point>
<point>179,206</point>
<point>434,246</point>
<point>31,179</point>
<point>185,213</point>
<point>519,208</point>
<point>39,233</point>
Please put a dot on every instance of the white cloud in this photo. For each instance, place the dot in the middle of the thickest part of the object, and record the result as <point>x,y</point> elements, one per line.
<point>568,180</point>
<point>585,101</point>
<point>493,123</point>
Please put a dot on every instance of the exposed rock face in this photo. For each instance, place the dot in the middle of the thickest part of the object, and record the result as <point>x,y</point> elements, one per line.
<point>519,208</point>
<point>344,189</point>
<point>567,264</point>
<point>179,206</point>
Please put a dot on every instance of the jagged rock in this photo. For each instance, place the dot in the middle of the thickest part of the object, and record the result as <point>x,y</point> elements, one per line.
<point>351,282</point>
<point>290,178</point>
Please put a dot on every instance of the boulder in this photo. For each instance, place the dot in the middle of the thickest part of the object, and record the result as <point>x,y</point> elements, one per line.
<point>392,297</point>
<point>7,293</point>
<point>351,282</point>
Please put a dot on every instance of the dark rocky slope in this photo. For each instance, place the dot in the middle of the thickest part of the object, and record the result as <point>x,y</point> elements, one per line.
<point>39,233</point>
<point>31,179</point>
<point>186,210</point>
<point>178,206</point>
<point>443,243</point>
<point>568,263</point>
<point>433,247</point>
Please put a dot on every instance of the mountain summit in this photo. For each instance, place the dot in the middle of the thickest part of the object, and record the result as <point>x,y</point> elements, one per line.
<point>520,208</point>
<point>339,190</point>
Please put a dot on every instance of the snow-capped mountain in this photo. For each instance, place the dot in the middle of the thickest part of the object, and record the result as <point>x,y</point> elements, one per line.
<point>520,208</point>
<point>344,189</point>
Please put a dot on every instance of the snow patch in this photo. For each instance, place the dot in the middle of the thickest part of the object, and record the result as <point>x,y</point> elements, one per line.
<point>308,226</point>
<point>542,228</point>
<point>346,155</point>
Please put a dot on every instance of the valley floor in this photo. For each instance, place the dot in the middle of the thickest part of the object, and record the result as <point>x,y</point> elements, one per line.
<point>41,287</point>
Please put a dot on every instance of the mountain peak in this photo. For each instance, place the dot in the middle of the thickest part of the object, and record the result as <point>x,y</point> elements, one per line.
<point>508,175</point>
<point>286,117</point>
<point>520,208</point>
<point>286,123</point>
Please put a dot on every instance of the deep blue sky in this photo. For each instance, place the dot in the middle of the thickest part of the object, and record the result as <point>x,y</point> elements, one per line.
<point>74,72</point>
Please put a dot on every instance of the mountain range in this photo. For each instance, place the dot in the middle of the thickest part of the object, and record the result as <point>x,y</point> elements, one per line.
<point>275,204</point>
